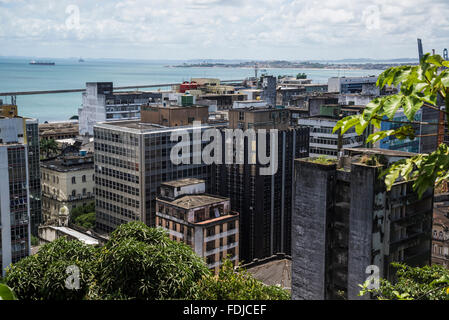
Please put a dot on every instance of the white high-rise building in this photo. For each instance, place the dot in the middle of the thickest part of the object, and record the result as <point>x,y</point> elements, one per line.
<point>15,229</point>
<point>101,104</point>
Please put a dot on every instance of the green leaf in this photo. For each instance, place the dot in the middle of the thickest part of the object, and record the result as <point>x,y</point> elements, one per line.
<point>411,104</point>
<point>346,123</point>
<point>6,293</point>
<point>392,104</point>
<point>372,108</point>
<point>436,60</point>
<point>379,135</point>
<point>445,78</point>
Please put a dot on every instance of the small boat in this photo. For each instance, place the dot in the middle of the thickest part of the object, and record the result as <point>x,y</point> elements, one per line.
<point>42,63</point>
<point>81,60</point>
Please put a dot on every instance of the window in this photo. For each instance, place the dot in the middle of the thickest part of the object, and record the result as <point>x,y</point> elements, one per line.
<point>73,180</point>
<point>84,178</point>
<point>73,193</point>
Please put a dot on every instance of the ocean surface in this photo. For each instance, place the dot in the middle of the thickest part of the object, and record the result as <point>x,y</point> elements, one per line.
<point>18,75</point>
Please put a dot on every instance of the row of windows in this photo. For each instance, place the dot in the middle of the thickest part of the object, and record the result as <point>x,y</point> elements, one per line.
<point>116,209</point>
<point>117,174</point>
<point>117,198</point>
<point>323,151</point>
<point>116,162</point>
<point>117,186</point>
<point>108,135</point>
<point>115,150</point>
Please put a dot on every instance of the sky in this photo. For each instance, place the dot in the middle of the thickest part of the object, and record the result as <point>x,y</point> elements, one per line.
<point>223,29</point>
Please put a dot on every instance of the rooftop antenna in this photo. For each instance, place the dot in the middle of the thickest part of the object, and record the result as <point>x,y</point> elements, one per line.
<point>420,50</point>
<point>256,68</point>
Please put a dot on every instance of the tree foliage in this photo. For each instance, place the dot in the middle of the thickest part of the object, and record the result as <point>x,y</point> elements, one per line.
<point>137,262</point>
<point>420,86</point>
<point>83,216</point>
<point>43,276</point>
<point>231,285</point>
<point>143,263</point>
<point>48,147</point>
<point>413,283</point>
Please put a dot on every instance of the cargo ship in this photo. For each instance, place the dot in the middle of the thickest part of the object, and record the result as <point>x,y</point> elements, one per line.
<point>42,63</point>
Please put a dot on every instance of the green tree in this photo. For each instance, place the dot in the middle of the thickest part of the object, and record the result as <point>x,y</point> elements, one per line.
<point>48,147</point>
<point>232,285</point>
<point>86,220</point>
<point>413,283</point>
<point>420,86</point>
<point>83,216</point>
<point>139,262</point>
<point>43,276</point>
<point>301,76</point>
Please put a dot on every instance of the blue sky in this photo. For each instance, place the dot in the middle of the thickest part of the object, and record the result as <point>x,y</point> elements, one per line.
<point>222,29</point>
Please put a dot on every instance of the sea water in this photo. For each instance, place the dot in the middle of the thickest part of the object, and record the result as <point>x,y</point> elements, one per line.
<point>16,74</point>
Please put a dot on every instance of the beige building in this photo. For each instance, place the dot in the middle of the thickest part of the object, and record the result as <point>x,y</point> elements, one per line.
<point>58,130</point>
<point>259,118</point>
<point>66,182</point>
<point>173,115</point>
<point>440,232</point>
<point>200,220</point>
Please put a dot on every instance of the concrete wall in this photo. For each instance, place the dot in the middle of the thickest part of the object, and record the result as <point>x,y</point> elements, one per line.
<point>360,229</point>
<point>311,205</point>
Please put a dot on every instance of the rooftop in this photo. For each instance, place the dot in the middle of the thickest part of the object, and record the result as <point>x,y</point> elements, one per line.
<point>385,152</point>
<point>76,234</point>
<point>60,164</point>
<point>274,270</point>
<point>139,127</point>
<point>194,201</point>
<point>183,182</point>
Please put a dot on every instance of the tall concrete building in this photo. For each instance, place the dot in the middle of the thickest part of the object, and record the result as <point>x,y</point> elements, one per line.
<point>31,139</point>
<point>264,202</point>
<point>15,228</point>
<point>323,142</point>
<point>132,159</point>
<point>344,221</point>
<point>269,90</point>
<point>101,103</point>
<point>34,175</point>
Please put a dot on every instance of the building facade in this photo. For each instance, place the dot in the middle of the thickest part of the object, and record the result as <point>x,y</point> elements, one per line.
<point>67,182</point>
<point>202,221</point>
<point>15,228</point>
<point>325,142</point>
<point>132,159</point>
<point>440,232</point>
<point>101,103</point>
<point>264,202</point>
<point>345,223</point>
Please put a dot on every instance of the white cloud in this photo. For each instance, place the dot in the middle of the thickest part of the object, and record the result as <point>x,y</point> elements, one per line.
<point>225,28</point>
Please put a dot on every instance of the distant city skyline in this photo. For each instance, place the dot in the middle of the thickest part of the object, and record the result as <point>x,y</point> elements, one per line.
<point>218,29</point>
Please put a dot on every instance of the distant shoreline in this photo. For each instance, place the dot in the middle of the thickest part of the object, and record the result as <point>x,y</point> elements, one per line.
<point>291,65</point>
<point>273,68</point>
